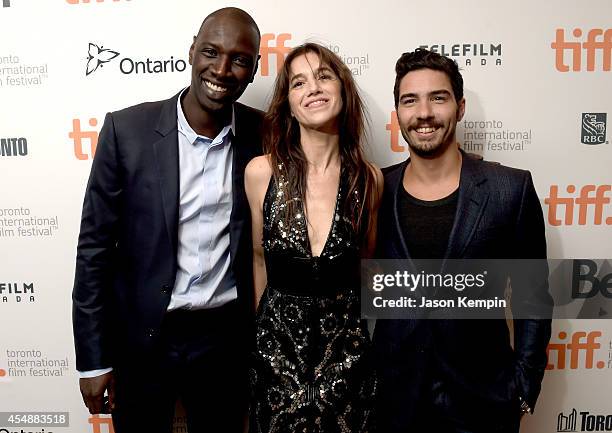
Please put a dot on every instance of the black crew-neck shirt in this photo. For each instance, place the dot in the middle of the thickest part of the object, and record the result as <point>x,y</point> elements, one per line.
<point>426,225</point>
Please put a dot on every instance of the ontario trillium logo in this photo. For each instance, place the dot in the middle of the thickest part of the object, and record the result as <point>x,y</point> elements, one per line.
<point>97,57</point>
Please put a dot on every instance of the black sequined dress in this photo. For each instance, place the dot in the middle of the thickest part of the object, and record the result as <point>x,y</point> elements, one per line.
<point>311,370</point>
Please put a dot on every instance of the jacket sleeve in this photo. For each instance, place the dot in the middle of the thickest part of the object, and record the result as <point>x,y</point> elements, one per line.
<point>531,300</point>
<point>96,254</point>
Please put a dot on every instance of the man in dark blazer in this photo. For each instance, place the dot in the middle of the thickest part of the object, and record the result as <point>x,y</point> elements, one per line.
<point>163,288</point>
<point>456,375</point>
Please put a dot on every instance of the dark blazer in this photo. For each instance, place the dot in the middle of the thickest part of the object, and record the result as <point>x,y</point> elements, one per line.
<point>127,250</point>
<point>498,216</point>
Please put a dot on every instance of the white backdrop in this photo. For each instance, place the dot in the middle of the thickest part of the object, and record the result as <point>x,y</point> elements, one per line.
<point>536,89</point>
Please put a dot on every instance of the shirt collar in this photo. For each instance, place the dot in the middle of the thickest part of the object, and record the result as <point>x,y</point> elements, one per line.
<point>186,129</point>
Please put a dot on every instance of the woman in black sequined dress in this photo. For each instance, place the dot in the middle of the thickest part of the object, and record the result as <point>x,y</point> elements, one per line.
<point>313,200</point>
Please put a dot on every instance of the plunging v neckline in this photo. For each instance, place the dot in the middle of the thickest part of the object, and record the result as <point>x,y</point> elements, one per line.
<point>331,227</point>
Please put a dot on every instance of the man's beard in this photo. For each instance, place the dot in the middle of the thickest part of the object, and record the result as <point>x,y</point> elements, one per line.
<point>428,150</point>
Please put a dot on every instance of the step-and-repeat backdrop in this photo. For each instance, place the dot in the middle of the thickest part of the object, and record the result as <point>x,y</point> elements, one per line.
<point>538,88</point>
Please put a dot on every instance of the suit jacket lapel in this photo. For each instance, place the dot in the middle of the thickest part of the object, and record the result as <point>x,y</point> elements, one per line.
<point>471,202</point>
<point>402,250</point>
<point>166,155</point>
<point>399,184</point>
<point>242,154</point>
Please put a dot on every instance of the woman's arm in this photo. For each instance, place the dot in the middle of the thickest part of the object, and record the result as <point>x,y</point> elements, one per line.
<point>256,178</point>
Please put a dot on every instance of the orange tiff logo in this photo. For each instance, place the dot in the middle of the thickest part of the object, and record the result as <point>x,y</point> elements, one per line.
<point>278,49</point>
<point>394,129</point>
<point>582,346</point>
<point>79,136</point>
<point>98,421</point>
<point>76,2</point>
<point>598,40</point>
<point>591,197</point>
<point>104,424</point>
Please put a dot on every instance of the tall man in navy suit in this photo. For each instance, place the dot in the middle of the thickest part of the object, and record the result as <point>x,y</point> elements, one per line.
<point>163,287</point>
<point>441,203</point>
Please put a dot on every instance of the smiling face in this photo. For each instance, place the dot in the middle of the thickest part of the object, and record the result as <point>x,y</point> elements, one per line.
<point>224,60</point>
<point>315,93</point>
<point>427,112</point>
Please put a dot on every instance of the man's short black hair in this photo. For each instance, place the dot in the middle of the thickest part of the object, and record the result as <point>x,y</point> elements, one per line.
<point>235,13</point>
<point>425,59</point>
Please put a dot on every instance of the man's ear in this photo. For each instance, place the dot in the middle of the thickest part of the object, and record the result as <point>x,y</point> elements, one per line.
<point>192,50</point>
<point>461,109</point>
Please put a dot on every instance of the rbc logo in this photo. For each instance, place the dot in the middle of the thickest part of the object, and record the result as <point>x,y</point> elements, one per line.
<point>279,50</point>
<point>79,135</point>
<point>593,128</point>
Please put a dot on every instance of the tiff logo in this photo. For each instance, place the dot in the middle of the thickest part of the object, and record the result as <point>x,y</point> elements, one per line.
<point>78,136</point>
<point>394,129</point>
<point>6,3</point>
<point>575,348</point>
<point>98,421</point>
<point>593,128</point>
<point>584,202</point>
<point>597,40</point>
<point>567,423</point>
<point>279,50</point>
<point>104,424</point>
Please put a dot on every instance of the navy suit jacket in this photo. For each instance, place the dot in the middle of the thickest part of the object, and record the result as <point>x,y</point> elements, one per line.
<point>127,250</point>
<point>498,216</point>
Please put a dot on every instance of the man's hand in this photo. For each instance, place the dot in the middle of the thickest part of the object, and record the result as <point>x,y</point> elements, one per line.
<point>92,390</point>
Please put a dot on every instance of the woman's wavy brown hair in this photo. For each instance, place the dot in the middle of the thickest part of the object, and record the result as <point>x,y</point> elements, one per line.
<point>282,141</point>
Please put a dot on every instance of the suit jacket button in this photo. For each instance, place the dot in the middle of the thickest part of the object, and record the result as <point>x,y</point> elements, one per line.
<point>165,289</point>
<point>151,332</point>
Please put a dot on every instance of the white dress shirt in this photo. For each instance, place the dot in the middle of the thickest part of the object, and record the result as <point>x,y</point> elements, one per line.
<point>204,278</point>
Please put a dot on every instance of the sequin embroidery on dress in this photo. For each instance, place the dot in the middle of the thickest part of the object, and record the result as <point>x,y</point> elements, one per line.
<point>311,369</point>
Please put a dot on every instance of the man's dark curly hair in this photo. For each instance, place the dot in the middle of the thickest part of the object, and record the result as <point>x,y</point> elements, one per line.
<point>425,59</point>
